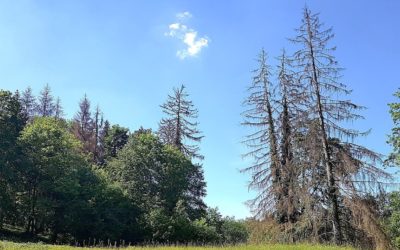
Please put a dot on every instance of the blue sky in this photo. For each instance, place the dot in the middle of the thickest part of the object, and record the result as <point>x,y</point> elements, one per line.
<point>127,57</point>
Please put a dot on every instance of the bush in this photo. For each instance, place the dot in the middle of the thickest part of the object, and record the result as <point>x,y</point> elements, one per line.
<point>233,231</point>
<point>205,233</point>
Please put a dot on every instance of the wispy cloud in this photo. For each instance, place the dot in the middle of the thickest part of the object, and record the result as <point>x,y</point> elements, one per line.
<point>188,36</point>
<point>184,15</point>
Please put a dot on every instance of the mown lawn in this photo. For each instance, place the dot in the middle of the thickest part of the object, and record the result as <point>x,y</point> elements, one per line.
<point>35,246</point>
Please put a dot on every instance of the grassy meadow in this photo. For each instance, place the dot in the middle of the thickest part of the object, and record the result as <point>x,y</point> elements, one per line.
<point>38,246</point>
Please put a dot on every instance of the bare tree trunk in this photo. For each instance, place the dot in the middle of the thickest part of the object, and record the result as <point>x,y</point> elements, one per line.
<point>286,161</point>
<point>275,159</point>
<point>98,125</point>
<point>32,217</point>
<point>178,141</point>
<point>332,190</point>
<point>96,136</point>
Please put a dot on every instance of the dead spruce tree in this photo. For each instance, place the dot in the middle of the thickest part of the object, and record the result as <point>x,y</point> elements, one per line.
<point>98,123</point>
<point>263,143</point>
<point>179,128</point>
<point>310,174</point>
<point>349,169</point>
<point>45,106</point>
<point>28,103</point>
<point>289,126</point>
<point>274,113</point>
<point>84,127</point>
<point>58,109</point>
<point>320,71</point>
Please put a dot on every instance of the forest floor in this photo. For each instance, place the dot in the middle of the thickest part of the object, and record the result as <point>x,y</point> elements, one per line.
<point>37,246</point>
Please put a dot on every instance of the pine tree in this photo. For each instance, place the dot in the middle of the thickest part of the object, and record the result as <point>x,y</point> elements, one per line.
<point>116,138</point>
<point>321,73</point>
<point>84,125</point>
<point>166,132</point>
<point>263,141</point>
<point>330,146</point>
<point>28,103</point>
<point>58,109</point>
<point>179,128</point>
<point>289,120</point>
<point>196,207</point>
<point>309,173</point>
<point>45,105</point>
<point>98,126</point>
<point>103,134</point>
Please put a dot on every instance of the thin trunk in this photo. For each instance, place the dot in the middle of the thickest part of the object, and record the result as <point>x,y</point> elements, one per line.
<point>32,217</point>
<point>275,162</point>
<point>178,142</point>
<point>287,169</point>
<point>332,190</point>
<point>286,159</point>
<point>96,136</point>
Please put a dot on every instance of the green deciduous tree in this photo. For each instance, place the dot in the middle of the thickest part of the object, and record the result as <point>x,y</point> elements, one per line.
<point>12,121</point>
<point>394,138</point>
<point>63,195</point>
<point>156,178</point>
<point>393,206</point>
<point>53,158</point>
<point>392,221</point>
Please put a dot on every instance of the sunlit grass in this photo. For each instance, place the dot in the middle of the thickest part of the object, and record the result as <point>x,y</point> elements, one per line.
<point>36,246</point>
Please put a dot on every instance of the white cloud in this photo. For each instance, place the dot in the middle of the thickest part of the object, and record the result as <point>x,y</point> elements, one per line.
<point>188,36</point>
<point>184,15</point>
<point>194,45</point>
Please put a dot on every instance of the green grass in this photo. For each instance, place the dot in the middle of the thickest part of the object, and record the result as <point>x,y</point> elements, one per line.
<point>38,246</point>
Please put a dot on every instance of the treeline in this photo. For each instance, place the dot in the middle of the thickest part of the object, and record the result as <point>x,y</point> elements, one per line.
<point>314,182</point>
<point>83,179</point>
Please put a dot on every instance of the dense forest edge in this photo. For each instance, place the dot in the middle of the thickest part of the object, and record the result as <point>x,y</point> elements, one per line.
<point>86,181</point>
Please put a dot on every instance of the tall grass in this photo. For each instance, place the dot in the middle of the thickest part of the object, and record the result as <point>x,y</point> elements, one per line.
<point>37,246</point>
